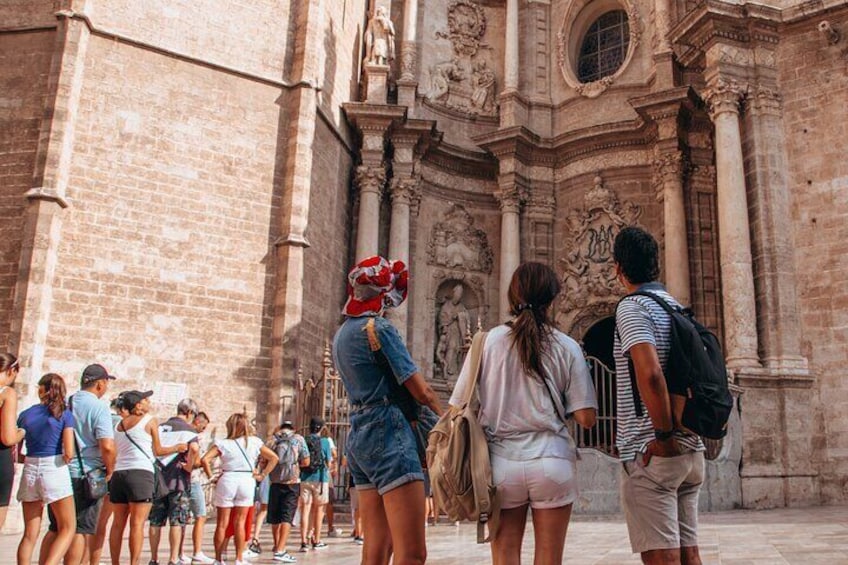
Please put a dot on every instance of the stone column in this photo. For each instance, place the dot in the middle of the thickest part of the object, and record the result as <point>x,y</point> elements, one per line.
<point>662,10</point>
<point>510,203</point>
<point>370,179</point>
<point>668,169</point>
<point>403,193</point>
<point>43,218</point>
<point>301,105</point>
<point>511,60</point>
<point>774,262</point>
<point>409,47</point>
<point>737,278</point>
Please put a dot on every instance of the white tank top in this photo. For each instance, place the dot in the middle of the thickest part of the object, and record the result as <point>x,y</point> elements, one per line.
<point>129,455</point>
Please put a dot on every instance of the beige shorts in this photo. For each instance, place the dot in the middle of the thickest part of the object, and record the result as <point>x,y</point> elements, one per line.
<point>315,493</point>
<point>660,501</point>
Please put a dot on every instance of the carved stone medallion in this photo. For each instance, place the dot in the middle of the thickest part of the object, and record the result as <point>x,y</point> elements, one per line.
<point>589,280</point>
<point>456,244</point>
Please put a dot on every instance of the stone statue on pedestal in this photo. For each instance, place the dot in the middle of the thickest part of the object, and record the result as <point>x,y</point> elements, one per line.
<point>454,324</point>
<point>380,39</point>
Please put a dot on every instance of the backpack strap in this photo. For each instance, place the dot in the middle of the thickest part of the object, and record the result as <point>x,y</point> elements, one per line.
<point>637,398</point>
<point>475,355</point>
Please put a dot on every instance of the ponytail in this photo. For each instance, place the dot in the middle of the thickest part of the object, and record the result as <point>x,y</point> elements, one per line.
<point>54,394</point>
<point>533,288</point>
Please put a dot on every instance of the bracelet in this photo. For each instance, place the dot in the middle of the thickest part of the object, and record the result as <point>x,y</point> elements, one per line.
<point>661,435</point>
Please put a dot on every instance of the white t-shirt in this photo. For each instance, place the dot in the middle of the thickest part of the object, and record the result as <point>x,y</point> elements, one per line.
<point>138,455</point>
<point>238,456</point>
<point>517,412</point>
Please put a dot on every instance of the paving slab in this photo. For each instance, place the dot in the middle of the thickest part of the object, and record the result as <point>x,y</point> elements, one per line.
<point>805,536</point>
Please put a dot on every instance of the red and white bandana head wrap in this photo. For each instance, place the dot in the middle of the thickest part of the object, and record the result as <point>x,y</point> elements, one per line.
<point>374,284</point>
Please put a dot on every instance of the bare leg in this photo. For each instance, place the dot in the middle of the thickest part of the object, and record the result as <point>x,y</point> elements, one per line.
<point>3,511</point>
<point>197,534</point>
<point>549,527</point>
<point>76,551</point>
<point>661,557</point>
<point>404,507</point>
<point>690,555</point>
<point>138,516</point>
<point>221,531</point>
<point>175,534</point>
<point>506,544</point>
<point>32,527</point>
<point>46,543</point>
<point>259,521</point>
<point>378,538</point>
<point>317,518</point>
<point>305,515</point>
<point>239,532</point>
<point>120,513</point>
<point>66,522</point>
<point>154,536</point>
<point>96,548</point>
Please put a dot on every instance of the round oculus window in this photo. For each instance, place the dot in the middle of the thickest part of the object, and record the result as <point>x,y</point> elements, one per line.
<point>604,47</point>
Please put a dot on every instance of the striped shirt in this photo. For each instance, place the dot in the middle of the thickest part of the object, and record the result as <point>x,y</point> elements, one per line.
<point>638,319</point>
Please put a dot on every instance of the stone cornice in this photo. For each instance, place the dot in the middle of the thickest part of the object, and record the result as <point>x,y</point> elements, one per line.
<point>466,162</point>
<point>373,117</point>
<point>665,104</point>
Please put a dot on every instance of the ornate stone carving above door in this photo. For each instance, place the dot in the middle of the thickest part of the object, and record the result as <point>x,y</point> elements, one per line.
<point>589,281</point>
<point>456,244</point>
<point>466,83</point>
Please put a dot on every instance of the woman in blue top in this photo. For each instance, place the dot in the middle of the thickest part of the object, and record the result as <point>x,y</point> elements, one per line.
<point>377,371</point>
<point>46,479</point>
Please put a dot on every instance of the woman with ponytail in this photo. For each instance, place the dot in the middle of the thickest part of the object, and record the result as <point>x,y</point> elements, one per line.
<point>46,480</point>
<point>532,378</point>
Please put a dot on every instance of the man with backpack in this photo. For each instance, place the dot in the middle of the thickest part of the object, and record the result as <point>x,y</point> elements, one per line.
<point>663,462</point>
<point>284,492</point>
<point>315,486</point>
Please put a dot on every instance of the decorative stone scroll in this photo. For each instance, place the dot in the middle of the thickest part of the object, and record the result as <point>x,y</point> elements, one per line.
<point>589,279</point>
<point>724,95</point>
<point>465,83</point>
<point>456,244</point>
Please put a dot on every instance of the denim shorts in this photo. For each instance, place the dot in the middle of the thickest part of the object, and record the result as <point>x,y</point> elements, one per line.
<point>381,449</point>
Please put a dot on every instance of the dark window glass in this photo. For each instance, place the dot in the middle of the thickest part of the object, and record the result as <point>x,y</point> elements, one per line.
<point>604,47</point>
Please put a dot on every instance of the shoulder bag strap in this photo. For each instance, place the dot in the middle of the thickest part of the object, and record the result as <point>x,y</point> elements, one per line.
<point>137,446</point>
<point>76,443</point>
<point>249,464</point>
<point>476,356</point>
<point>548,386</point>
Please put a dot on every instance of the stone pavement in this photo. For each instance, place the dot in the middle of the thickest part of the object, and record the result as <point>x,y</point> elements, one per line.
<point>810,536</point>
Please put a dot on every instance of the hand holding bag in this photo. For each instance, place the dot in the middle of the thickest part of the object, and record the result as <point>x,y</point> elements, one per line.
<point>94,484</point>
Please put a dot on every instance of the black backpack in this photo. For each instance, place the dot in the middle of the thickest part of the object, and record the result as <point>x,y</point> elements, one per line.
<point>695,371</point>
<point>317,461</point>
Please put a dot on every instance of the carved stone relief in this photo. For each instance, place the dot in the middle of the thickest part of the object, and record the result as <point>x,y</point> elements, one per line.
<point>465,83</point>
<point>456,244</point>
<point>589,280</point>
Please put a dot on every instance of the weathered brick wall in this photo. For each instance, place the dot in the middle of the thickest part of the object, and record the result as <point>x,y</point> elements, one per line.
<point>163,266</point>
<point>24,66</point>
<point>814,80</point>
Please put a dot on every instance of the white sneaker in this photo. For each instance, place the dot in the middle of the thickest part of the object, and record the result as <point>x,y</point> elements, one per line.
<point>201,559</point>
<point>335,533</point>
<point>249,554</point>
<point>284,557</point>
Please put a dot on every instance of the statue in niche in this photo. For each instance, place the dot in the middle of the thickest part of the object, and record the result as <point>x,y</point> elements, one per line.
<point>454,323</point>
<point>457,244</point>
<point>380,39</point>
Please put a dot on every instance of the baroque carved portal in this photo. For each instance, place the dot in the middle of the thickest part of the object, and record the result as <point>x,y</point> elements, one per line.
<point>590,289</point>
<point>466,83</point>
<point>457,315</point>
<point>456,244</point>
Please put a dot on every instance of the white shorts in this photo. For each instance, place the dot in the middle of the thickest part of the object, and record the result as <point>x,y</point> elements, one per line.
<point>47,479</point>
<point>235,489</point>
<point>546,482</point>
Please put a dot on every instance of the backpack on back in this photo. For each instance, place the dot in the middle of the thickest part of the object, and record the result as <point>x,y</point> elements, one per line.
<point>458,460</point>
<point>695,373</point>
<point>317,461</point>
<point>287,469</point>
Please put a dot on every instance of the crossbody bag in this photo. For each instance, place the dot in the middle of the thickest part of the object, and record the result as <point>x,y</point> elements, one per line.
<point>94,484</point>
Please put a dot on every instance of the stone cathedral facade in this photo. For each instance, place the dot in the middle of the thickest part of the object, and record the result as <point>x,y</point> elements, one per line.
<point>184,184</point>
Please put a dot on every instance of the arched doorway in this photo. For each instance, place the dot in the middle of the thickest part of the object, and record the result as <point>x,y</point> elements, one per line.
<point>598,345</point>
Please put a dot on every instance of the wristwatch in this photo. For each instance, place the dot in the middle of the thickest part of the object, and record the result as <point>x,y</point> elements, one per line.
<point>661,435</point>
